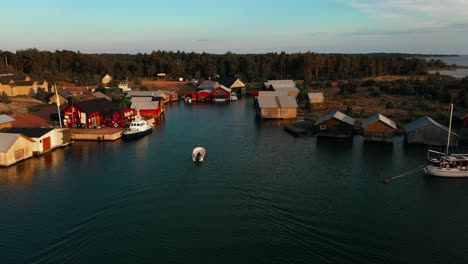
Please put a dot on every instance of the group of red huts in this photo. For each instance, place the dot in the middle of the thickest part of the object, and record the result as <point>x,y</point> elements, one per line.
<point>218,89</point>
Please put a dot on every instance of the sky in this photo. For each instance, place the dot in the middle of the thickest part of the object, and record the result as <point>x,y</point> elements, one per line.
<point>241,26</point>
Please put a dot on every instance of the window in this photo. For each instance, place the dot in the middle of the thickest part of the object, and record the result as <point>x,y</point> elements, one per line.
<point>323,127</point>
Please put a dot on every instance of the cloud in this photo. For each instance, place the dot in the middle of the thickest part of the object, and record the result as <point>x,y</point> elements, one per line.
<point>202,40</point>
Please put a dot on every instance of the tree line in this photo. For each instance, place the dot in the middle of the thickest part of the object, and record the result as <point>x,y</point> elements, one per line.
<point>87,69</point>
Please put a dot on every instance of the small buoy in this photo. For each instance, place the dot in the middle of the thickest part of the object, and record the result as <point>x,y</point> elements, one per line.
<point>386,180</point>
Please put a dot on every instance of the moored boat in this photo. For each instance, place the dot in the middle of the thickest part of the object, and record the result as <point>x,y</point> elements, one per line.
<point>137,128</point>
<point>444,164</point>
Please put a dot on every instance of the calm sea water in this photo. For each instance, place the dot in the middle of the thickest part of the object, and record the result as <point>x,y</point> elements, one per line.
<point>458,60</point>
<point>261,196</point>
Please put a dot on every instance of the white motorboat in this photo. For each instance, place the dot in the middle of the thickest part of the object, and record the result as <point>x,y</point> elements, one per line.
<point>444,164</point>
<point>137,128</point>
<point>233,96</point>
<point>198,154</point>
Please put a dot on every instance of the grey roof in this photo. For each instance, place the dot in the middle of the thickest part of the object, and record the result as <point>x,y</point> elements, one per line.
<point>381,118</point>
<point>208,85</point>
<point>267,102</point>
<point>338,115</point>
<point>140,93</point>
<point>281,83</point>
<point>145,105</point>
<point>6,118</point>
<point>287,101</point>
<point>8,139</point>
<point>32,132</point>
<point>315,95</point>
<point>423,122</point>
<point>65,94</point>
<point>102,95</point>
<point>271,93</point>
<point>141,99</point>
<point>284,101</point>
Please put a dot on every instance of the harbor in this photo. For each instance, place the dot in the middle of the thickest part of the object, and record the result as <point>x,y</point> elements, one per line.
<point>306,199</point>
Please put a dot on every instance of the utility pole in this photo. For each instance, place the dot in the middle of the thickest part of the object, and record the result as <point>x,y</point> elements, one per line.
<point>57,99</point>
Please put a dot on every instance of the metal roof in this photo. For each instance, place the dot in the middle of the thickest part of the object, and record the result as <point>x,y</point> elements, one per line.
<point>287,101</point>
<point>338,115</point>
<point>145,105</point>
<point>7,140</point>
<point>381,118</point>
<point>281,83</point>
<point>140,93</point>
<point>271,93</point>
<point>6,118</point>
<point>208,85</point>
<point>141,99</point>
<point>315,95</point>
<point>267,102</point>
<point>32,132</point>
<point>423,122</point>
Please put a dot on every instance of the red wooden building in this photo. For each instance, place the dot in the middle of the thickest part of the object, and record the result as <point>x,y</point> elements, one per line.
<point>204,95</point>
<point>221,94</point>
<point>191,94</point>
<point>90,113</point>
<point>149,109</point>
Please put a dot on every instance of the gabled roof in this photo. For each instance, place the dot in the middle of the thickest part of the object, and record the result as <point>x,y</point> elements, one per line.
<point>140,93</point>
<point>102,95</point>
<point>338,115</point>
<point>204,91</point>
<point>96,105</point>
<point>6,118</point>
<point>267,102</point>
<point>7,140</point>
<point>271,93</point>
<point>161,93</point>
<point>222,87</point>
<point>287,101</point>
<point>423,122</point>
<point>32,132</point>
<point>141,99</point>
<point>208,85</point>
<point>281,85</point>
<point>151,105</point>
<point>65,94</point>
<point>315,95</point>
<point>381,118</point>
<point>226,81</point>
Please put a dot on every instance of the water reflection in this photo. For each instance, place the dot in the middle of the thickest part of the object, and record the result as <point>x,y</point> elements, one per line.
<point>24,172</point>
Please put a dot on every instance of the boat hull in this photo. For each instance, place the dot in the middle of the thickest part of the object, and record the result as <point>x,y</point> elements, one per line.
<point>135,135</point>
<point>445,172</point>
<point>198,154</point>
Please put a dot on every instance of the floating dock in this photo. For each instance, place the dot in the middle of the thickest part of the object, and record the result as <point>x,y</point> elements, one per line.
<point>96,134</point>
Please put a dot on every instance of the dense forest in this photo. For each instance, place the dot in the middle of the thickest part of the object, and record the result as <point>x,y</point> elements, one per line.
<point>88,69</point>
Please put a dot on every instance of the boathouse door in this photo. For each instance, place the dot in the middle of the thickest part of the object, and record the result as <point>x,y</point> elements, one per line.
<point>46,144</point>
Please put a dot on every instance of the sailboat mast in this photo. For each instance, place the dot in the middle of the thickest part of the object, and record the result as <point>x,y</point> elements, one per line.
<point>450,130</point>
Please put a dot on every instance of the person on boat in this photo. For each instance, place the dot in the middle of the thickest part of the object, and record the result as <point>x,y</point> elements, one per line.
<point>198,156</point>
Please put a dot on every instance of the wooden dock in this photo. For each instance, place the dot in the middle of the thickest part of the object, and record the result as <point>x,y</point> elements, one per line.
<point>96,134</point>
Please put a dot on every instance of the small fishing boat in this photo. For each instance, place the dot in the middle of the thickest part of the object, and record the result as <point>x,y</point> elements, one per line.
<point>233,96</point>
<point>444,164</point>
<point>137,128</point>
<point>198,154</point>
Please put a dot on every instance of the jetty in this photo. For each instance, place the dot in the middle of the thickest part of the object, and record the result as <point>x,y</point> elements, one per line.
<point>96,134</point>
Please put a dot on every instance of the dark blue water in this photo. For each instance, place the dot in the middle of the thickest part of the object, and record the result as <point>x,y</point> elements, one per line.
<point>261,196</point>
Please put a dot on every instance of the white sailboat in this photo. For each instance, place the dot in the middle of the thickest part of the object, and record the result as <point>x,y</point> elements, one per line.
<point>444,164</point>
